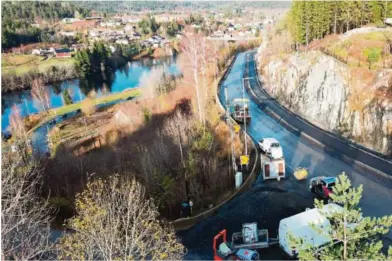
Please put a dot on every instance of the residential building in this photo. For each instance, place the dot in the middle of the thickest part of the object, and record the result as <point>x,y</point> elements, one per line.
<point>63,53</point>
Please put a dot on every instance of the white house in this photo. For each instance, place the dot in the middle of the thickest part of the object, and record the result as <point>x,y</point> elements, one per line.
<point>72,34</point>
<point>112,48</point>
<point>70,20</point>
<point>122,41</point>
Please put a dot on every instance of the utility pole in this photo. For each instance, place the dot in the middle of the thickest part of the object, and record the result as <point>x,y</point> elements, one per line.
<point>243,97</point>
<point>243,102</point>
<point>230,128</point>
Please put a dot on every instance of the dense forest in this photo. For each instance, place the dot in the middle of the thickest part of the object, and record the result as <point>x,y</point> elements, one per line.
<point>310,20</point>
<point>17,19</point>
<point>162,6</point>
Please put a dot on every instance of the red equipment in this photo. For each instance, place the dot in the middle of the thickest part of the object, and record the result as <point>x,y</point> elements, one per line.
<point>216,238</point>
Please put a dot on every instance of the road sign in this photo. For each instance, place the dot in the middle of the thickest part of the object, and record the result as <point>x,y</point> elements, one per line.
<point>244,159</point>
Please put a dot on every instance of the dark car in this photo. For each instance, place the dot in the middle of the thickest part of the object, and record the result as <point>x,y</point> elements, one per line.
<point>322,186</point>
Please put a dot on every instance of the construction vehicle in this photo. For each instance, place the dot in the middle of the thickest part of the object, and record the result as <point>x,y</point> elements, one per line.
<point>239,110</point>
<point>305,226</point>
<point>251,238</point>
<point>226,252</point>
<point>272,168</point>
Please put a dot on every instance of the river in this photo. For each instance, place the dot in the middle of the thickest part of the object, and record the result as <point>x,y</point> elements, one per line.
<point>121,79</point>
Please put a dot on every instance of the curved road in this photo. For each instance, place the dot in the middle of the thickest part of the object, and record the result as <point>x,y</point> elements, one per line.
<point>267,202</point>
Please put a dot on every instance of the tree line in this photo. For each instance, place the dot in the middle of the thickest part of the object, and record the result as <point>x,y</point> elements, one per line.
<point>31,11</point>
<point>309,20</point>
<point>99,57</point>
<point>17,19</point>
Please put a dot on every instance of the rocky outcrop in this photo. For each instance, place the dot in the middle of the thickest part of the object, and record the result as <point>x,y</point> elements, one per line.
<point>319,88</point>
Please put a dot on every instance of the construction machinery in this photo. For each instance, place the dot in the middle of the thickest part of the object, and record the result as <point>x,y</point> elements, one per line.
<point>251,238</point>
<point>226,252</point>
<point>244,244</point>
<point>239,110</point>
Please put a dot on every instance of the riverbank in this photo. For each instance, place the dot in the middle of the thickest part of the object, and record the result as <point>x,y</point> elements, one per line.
<point>18,71</point>
<point>52,113</point>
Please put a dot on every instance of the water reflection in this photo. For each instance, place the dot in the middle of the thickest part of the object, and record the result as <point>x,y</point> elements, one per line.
<point>126,77</point>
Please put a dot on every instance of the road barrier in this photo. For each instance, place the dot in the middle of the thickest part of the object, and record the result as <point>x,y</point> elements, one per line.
<point>186,223</point>
<point>355,155</point>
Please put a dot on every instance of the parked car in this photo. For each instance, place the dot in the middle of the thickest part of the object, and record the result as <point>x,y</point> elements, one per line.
<point>271,147</point>
<point>322,186</point>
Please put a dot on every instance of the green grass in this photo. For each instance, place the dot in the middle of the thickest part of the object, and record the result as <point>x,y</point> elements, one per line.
<point>23,63</point>
<point>98,101</point>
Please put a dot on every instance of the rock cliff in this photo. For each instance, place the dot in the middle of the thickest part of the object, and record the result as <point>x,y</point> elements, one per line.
<point>332,96</point>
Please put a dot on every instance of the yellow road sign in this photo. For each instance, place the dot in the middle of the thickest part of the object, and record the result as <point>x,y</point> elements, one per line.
<point>244,159</point>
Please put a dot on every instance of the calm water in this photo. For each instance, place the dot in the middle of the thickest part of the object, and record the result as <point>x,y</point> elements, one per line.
<point>123,78</point>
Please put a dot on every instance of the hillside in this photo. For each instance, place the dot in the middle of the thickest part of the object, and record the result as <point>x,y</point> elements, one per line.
<point>341,83</point>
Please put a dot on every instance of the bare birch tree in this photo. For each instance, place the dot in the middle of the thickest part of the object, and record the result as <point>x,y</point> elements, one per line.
<point>25,216</point>
<point>40,94</point>
<point>151,82</point>
<point>115,220</point>
<point>190,46</point>
<point>18,129</point>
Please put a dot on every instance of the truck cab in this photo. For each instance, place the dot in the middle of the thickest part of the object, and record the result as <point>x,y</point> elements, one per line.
<point>271,147</point>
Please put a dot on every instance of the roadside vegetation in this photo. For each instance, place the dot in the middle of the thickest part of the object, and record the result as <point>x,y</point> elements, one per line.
<point>172,140</point>
<point>151,154</point>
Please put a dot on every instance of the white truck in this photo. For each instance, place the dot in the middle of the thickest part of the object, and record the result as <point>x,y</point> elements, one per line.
<point>299,226</point>
<point>271,147</point>
<point>272,162</point>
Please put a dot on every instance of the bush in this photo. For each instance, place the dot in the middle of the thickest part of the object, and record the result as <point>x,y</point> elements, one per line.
<point>88,107</point>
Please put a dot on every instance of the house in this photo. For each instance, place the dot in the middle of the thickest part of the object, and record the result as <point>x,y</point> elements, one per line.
<point>218,33</point>
<point>78,47</point>
<point>63,53</point>
<point>94,33</point>
<point>83,24</point>
<point>43,51</point>
<point>112,48</point>
<point>122,41</point>
<point>69,34</point>
<point>129,28</point>
<point>70,20</point>
<point>136,35</point>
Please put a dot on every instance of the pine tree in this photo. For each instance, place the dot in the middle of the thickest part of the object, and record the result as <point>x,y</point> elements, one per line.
<point>353,237</point>
<point>67,97</point>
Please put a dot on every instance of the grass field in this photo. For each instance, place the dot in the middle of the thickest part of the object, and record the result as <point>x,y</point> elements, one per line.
<point>23,63</point>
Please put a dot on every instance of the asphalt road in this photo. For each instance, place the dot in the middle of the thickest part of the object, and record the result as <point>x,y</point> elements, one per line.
<point>267,202</point>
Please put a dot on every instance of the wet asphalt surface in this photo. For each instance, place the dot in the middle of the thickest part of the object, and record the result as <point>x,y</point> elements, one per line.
<point>267,202</point>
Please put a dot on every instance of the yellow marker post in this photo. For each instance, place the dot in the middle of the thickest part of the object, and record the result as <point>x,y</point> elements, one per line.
<point>244,159</point>
<point>237,128</point>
